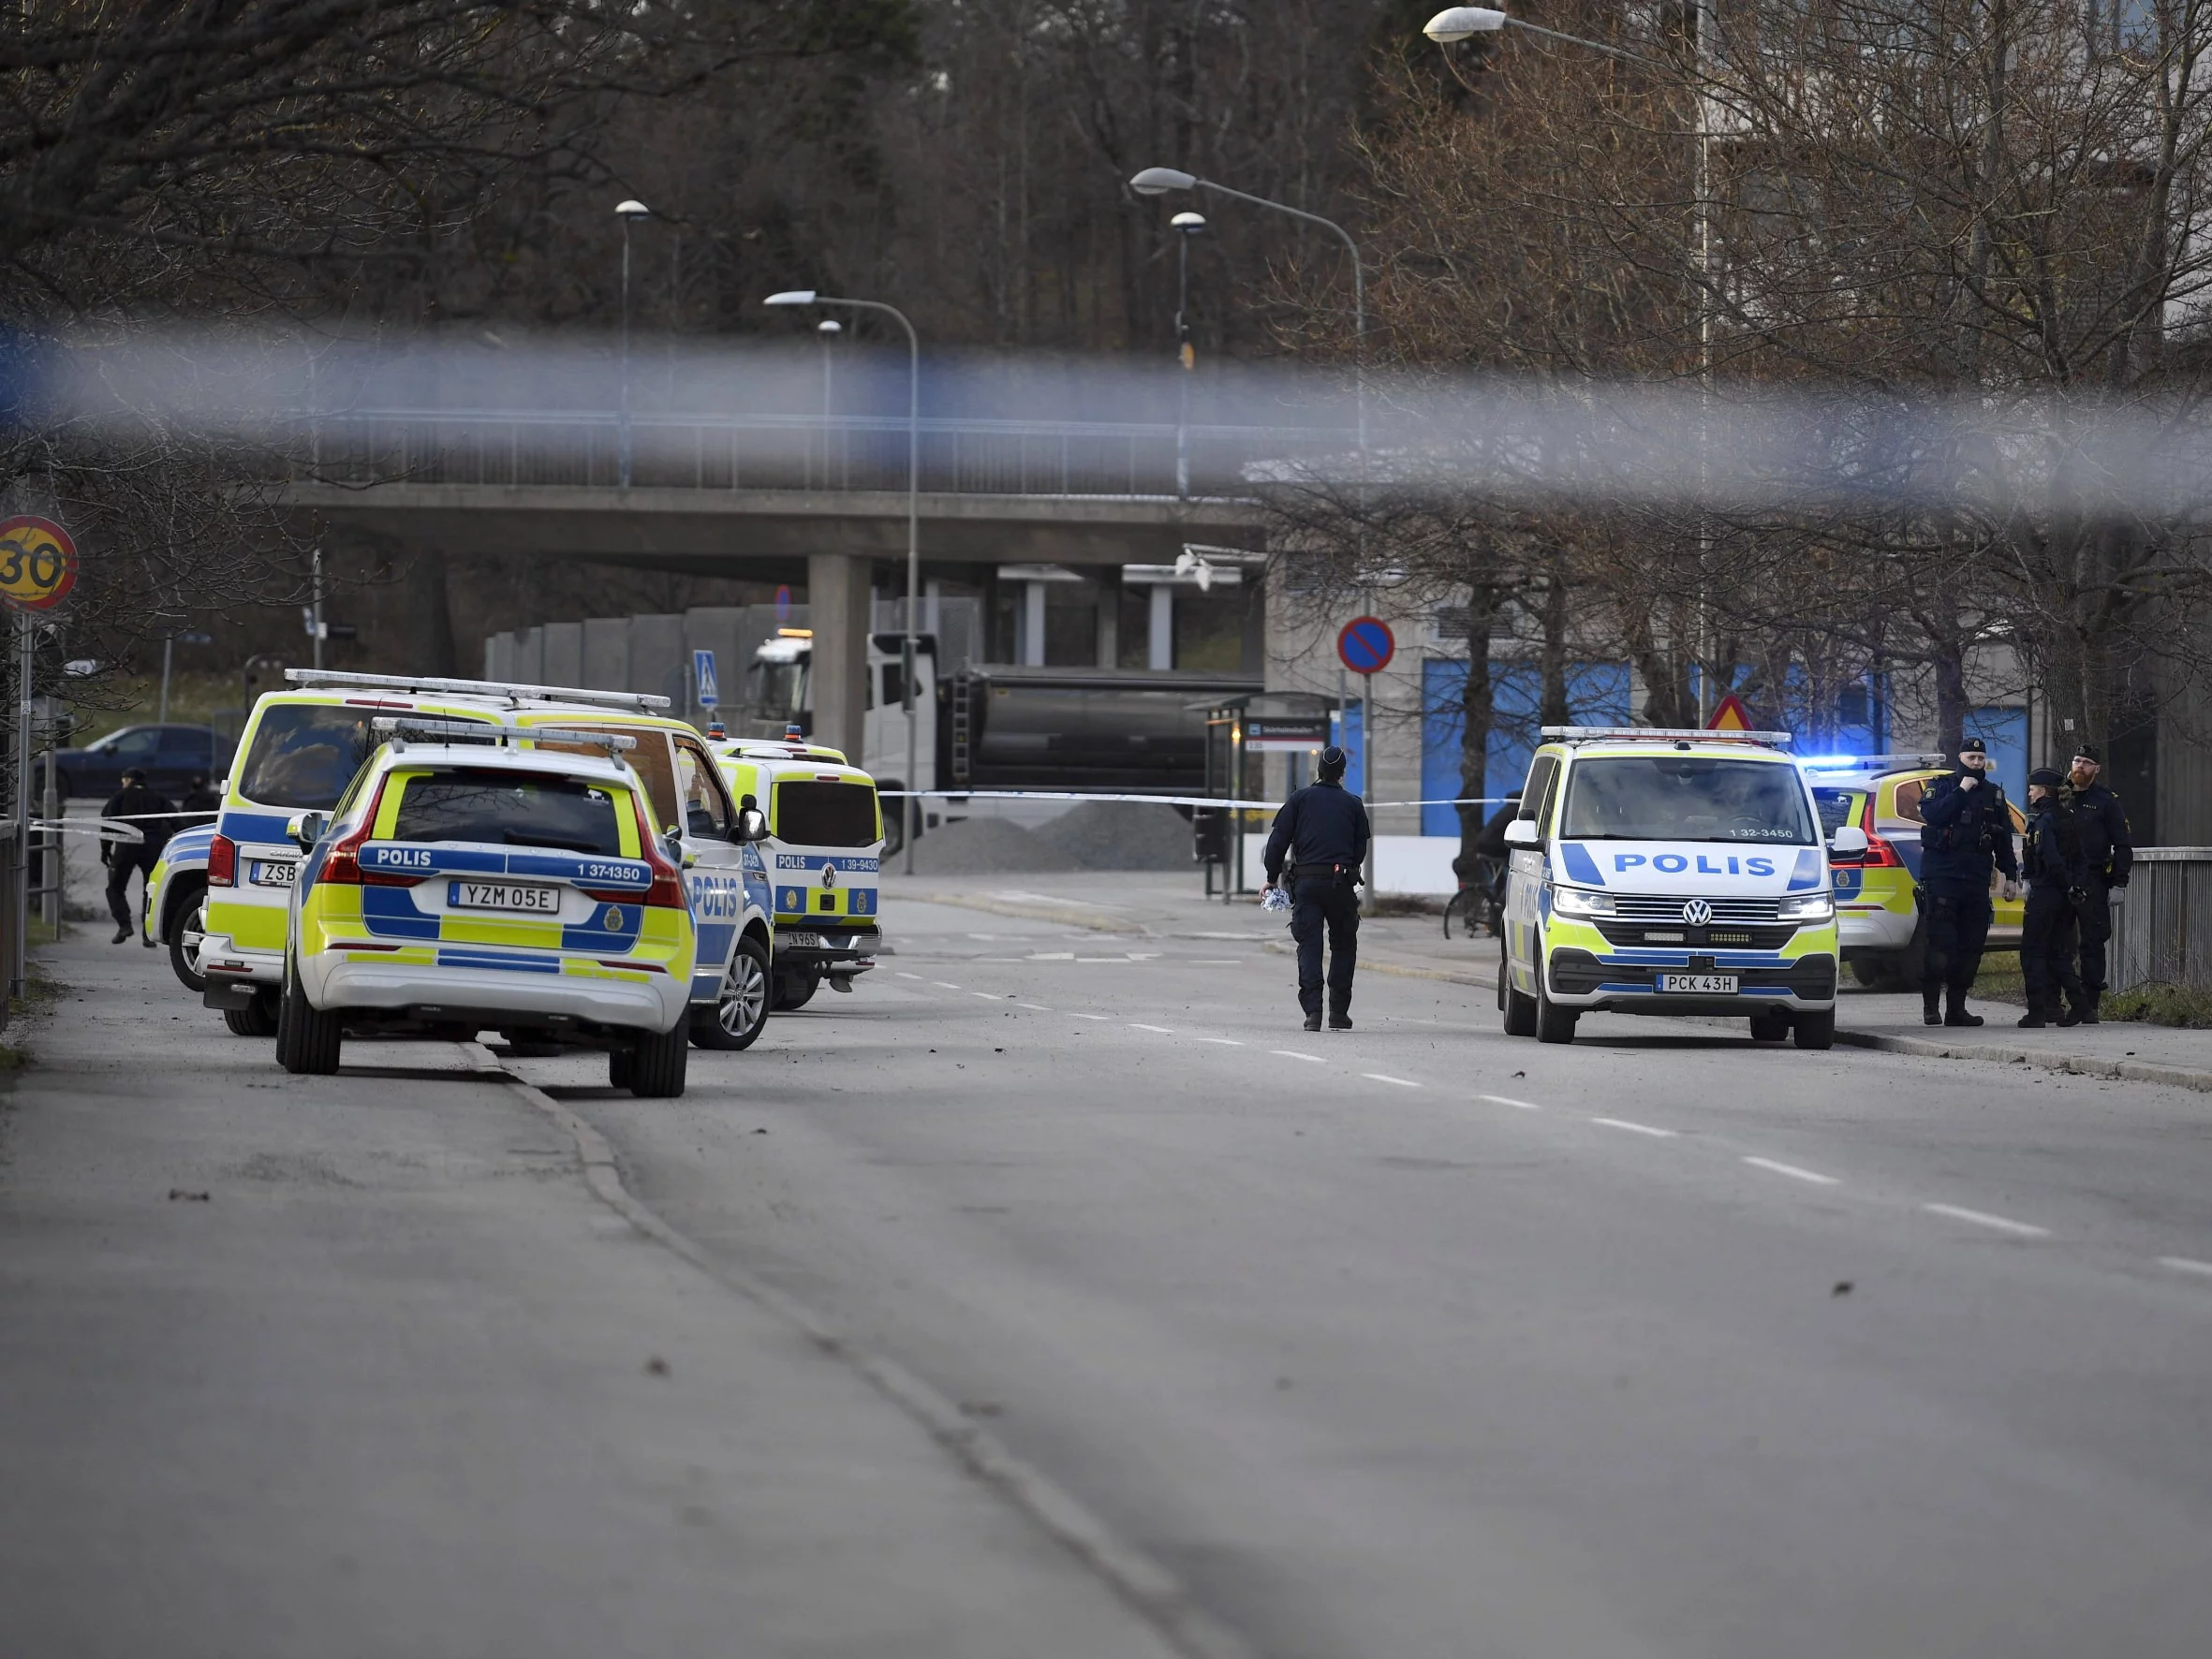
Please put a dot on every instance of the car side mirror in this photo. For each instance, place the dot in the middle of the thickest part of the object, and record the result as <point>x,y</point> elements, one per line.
<point>671,842</point>
<point>1848,842</point>
<point>303,829</point>
<point>752,825</point>
<point>1522,832</point>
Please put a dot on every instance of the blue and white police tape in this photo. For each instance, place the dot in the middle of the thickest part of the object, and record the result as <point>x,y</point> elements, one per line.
<point>1154,800</point>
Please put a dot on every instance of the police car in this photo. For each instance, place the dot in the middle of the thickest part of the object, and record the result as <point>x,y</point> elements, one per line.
<point>1661,872</point>
<point>825,849</point>
<point>516,883</point>
<point>1877,918</point>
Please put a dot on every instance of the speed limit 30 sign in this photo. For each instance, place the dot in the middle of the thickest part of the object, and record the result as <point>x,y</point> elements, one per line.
<point>38,563</point>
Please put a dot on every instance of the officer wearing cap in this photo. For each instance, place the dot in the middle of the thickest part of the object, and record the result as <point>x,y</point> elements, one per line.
<point>1966,828</point>
<point>2108,849</point>
<point>1321,835</point>
<point>2056,878</point>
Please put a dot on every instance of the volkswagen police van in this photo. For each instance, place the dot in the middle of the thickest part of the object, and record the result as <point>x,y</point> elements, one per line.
<point>825,852</point>
<point>513,881</point>
<point>1663,872</point>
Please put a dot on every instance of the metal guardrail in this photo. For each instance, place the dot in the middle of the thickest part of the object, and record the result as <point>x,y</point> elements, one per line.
<point>557,448</point>
<point>2161,920</point>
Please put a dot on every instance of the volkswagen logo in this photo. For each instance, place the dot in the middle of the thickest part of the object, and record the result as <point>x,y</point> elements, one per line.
<point>1697,913</point>
<point>829,876</point>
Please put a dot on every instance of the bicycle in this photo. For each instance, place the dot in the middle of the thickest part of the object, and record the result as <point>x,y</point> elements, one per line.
<point>1483,900</point>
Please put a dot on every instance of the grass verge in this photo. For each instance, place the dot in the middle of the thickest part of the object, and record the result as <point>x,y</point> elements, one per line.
<point>2186,1006</point>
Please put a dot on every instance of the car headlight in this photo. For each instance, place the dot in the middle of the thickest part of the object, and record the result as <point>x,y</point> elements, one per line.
<point>1581,902</point>
<point>1808,907</point>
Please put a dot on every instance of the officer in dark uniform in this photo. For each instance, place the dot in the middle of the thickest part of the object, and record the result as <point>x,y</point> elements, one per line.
<point>2055,881</point>
<point>1321,833</point>
<point>136,803</point>
<point>1965,826</point>
<point>2108,849</point>
<point>200,798</point>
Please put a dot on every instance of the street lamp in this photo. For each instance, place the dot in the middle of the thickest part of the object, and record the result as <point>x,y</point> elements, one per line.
<point>827,331</point>
<point>1158,181</point>
<point>627,211</point>
<point>1184,226</point>
<point>807,296</point>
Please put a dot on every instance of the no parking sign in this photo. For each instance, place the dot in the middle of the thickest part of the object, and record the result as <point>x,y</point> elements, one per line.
<point>1366,645</point>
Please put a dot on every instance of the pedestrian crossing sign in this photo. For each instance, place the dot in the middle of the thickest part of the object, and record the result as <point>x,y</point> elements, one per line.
<point>1730,716</point>
<point>703,676</point>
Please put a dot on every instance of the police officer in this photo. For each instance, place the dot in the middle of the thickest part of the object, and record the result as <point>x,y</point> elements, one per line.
<point>2108,849</point>
<point>1322,835</point>
<point>136,803</point>
<point>199,798</point>
<point>1965,825</point>
<point>2057,877</point>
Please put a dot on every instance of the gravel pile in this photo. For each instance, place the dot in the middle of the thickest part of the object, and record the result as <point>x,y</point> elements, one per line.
<point>1120,835</point>
<point>987,847</point>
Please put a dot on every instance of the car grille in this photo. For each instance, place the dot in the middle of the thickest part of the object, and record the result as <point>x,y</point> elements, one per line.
<point>1723,935</point>
<point>1662,907</point>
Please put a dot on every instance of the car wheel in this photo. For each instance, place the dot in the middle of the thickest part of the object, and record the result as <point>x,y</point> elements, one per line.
<point>1817,1031</point>
<point>1553,1024</point>
<point>795,991</point>
<point>258,1018</point>
<point>622,1067</point>
<point>895,825</point>
<point>187,925</point>
<point>741,1010</point>
<point>1770,1027</point>
<point>657,1070</point>
<point>308,1039</point>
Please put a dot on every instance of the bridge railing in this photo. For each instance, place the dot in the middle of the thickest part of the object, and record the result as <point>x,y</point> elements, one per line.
<point>556,449</point>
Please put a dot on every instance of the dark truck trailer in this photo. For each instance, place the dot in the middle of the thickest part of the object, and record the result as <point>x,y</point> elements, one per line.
<point>1135,731</point>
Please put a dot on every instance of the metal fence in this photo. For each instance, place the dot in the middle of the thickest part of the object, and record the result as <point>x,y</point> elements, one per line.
<point>2161,920</point>
<point>554,448</point>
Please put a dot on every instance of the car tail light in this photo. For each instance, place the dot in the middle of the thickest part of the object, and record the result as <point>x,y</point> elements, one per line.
<point>1881,855</point>
<point>221,862</point>
<point>341,865</point>
<point>667,891</point>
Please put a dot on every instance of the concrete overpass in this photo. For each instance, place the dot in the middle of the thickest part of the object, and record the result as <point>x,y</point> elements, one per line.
<point>812,501</point>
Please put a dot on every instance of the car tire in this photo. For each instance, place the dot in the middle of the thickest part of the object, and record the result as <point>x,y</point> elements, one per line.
<point>741,1008</point>
<point>258,1018</point>
<point>1817,1031</point>
<point>894,824</point>
<point>1553,1024</point>
<point>188,921</point>
<point>795,991</point>
<point>658,1063</point>
<point>1770,1027</point>
<point>622,1067</point>
<point>308,1039</point>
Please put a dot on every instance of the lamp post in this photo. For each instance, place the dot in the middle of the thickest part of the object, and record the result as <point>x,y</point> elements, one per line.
<point>1461,23</point>
<point>627,211</point>
<point>1184,226</point>
<point>827,331</point>
<point>808,296</point>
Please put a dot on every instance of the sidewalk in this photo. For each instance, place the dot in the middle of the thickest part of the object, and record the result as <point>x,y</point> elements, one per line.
<point>1173,906</point>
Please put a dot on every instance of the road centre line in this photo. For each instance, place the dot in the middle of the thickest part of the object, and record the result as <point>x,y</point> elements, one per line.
<point>904,974</point>
<point>1294,1055</point>
<point>943,985</point>
<point>1385,1078</point>
<point>1089,1015</point>
<point>1034,1007</point>
<point>991,996</point>
<point>1793,1172</point>
<point>2182,1264</point>
<point>1509,1100</point>
<point>1635,1128</point>
<point>1225,1042</point>
<point>1980,1219</point>
<point>1139,1025</point>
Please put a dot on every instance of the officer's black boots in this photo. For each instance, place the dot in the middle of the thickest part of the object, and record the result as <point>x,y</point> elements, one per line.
<point>2071,1015</point>
<point>1340,1022</point>
<point>2090,1009</point>
<point>1313,1022</point>
<point>2034,1017</point>
<point>1956,1014</point>
<point>121,932</point>
<point>1931,1007</point>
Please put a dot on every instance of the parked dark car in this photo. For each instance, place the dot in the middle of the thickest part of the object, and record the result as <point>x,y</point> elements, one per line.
<point>172,756</point>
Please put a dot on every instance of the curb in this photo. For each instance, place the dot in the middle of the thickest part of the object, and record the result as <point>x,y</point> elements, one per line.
<point>2133,1071</point>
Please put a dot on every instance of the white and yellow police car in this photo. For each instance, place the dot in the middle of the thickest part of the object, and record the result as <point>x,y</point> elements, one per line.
<point>1660,872</point>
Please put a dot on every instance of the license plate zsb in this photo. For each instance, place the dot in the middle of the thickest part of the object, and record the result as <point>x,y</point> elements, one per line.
<point>491,895</point>
<point>268,872</point>
<point>1700,984</point>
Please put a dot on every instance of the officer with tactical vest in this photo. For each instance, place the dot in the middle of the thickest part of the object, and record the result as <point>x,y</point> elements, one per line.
<point>1320,834</point>
<point>1966,829</point>
<point>2108,849</point>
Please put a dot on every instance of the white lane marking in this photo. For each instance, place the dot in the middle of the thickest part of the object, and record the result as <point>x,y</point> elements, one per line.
<point>2182,1264</point>
<point>1385,1078</point>
<point>941,985</point>
<point>904,974</point>
<point>1090,1016</point>
<point>1034,1007</point>
<point>1294,1055</point>
<point>1139,1025</point>
<point>1217,962</point>
<point>1793,1172</point>
<point>989,996</point>
<point>2020,1228</point>
<point>1509,1100</point>
<point>1225,1042</point>
<point>1635,1128</point>
<point>1052,956</point>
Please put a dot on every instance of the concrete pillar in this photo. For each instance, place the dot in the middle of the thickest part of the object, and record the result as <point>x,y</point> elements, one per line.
<point>1109,647</point>
<point>932,607</point>
<point>1160,645</point>
<point>1033,624</point>
<point>837,609</point>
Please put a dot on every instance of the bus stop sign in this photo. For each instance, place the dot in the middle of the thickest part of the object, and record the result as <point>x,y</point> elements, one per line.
<point>1366,645</point>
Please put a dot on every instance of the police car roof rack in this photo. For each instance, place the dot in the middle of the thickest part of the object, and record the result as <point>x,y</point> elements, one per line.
<point>524,694</point>
<point>1697,734</point>
<point>1871,762</point>
<point>426,727</point>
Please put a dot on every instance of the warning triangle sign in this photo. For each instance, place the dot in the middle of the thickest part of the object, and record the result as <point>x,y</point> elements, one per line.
<point>1730,716</point>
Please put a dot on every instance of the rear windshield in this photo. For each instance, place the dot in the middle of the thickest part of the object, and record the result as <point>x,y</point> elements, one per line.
<point>1685,798</point>
<point>1837,807</point>
<point>304,755</point>
<point>510,809</point>
<point>825,814</point>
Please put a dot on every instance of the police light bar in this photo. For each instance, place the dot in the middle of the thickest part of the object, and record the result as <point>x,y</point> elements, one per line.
<point>615,741</point>
<point>546,694</point>
<point>423,727</point>
<point>1870,762</point>
<point>1696,734</point>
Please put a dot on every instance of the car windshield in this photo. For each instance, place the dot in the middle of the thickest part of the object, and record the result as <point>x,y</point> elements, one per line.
<point>304,755</point>
<point>779,691</point>
<point>1685,798</point>
<point>510,809</point>
<point>825,814</point>
<point>1837,807</point>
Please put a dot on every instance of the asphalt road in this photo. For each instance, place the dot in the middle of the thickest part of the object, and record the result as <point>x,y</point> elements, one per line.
<point>1411,1341</point>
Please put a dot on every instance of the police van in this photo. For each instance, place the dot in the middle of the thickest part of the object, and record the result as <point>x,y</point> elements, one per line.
<point>1669,872</point>
<point>825,851</point>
